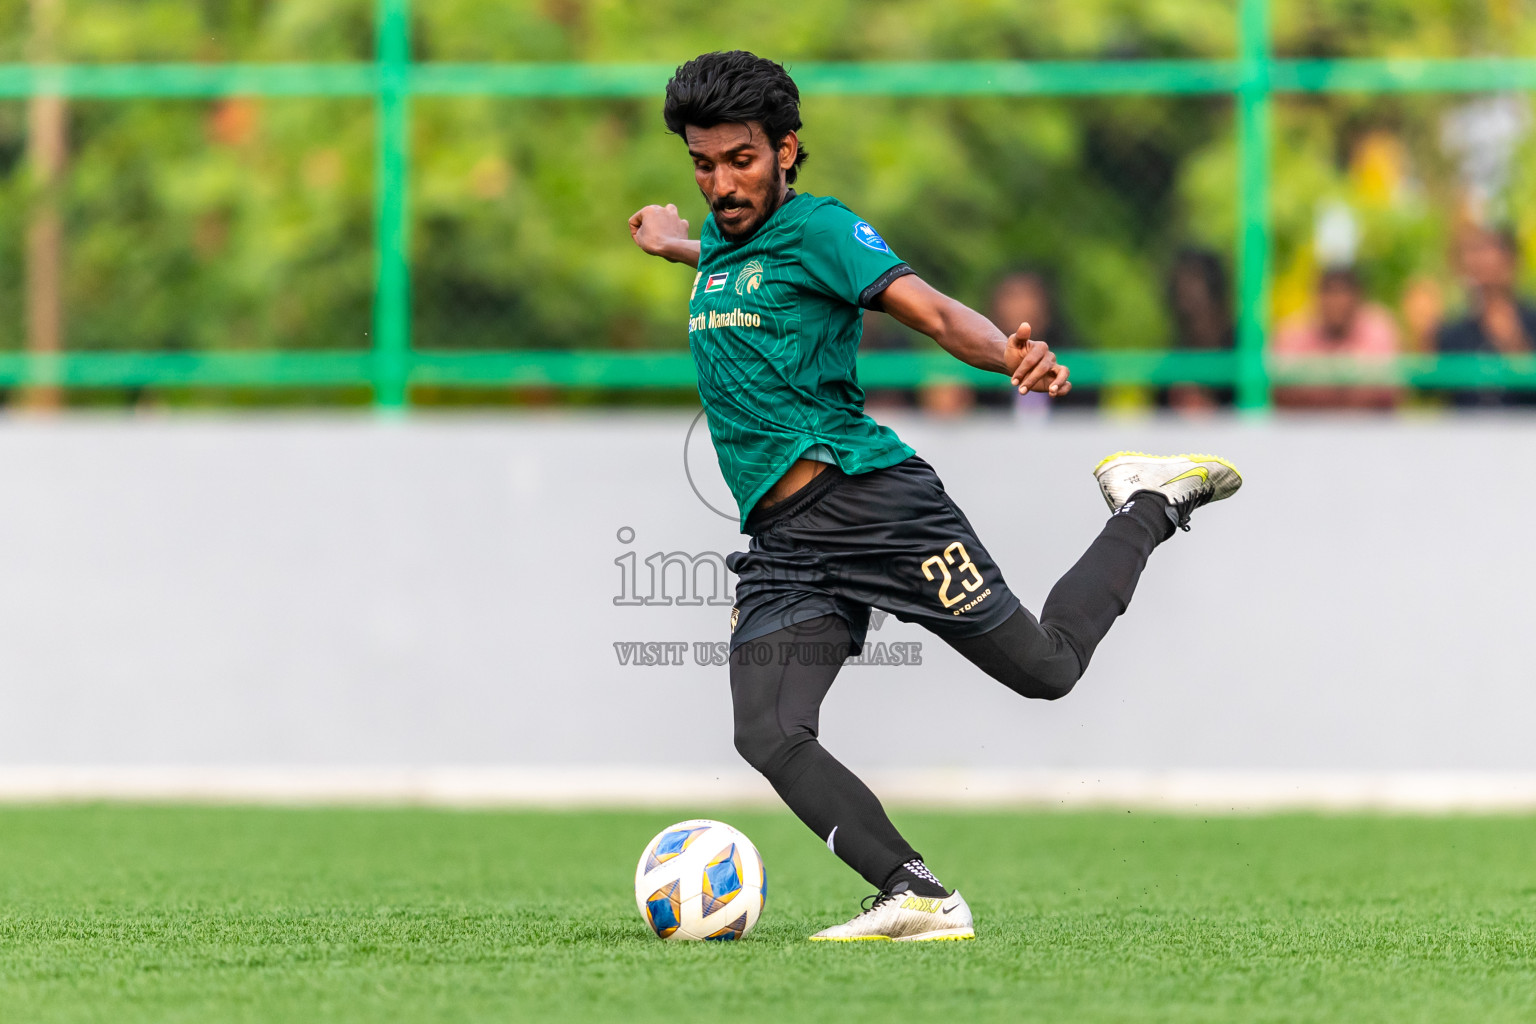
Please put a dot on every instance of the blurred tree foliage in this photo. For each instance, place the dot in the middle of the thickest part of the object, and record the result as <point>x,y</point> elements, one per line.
<point>247,223</point>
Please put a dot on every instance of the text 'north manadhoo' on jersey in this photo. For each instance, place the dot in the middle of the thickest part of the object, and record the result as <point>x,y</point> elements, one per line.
<point>774,326</point>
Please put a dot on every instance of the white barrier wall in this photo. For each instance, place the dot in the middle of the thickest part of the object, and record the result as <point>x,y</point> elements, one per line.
<point>451,592</point>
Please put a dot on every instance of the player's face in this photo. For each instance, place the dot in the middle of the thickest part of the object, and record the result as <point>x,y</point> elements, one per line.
<point>740,173</point>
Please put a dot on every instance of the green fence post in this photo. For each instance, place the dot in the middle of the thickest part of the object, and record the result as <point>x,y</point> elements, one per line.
<point>392,273</point>
<point>1253,251</point>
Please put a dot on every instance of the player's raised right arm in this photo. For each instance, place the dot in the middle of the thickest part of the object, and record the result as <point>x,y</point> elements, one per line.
<point>661,231</point>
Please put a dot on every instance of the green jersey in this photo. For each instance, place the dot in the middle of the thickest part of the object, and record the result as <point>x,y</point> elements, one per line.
<point>774,325</point>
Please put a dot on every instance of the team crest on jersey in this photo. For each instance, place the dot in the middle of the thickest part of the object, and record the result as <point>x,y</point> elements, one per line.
<point>750,279</point>
<point>869,237</point>
<point>716,283</point>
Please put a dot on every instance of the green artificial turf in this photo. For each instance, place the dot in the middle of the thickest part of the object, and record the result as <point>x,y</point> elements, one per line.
<point>123,914</point>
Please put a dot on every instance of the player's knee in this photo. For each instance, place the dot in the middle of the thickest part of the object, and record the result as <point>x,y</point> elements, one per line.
<point>765,746</point>
<point>1041,682</point>
<point>1032,659</point>
<point>1049,688</point>
<point>752,745</point>
<point>1046,673</point>
<point>758,742</point>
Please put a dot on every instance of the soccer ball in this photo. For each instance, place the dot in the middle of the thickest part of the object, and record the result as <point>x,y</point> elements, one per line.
<point>700,879</point>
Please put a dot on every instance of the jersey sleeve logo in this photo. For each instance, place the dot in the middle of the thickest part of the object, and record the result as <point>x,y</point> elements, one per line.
<point>750,279</point>
<point>869,237</point>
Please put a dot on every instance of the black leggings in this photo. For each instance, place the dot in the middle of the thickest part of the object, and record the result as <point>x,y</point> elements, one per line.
<point>779,681</point>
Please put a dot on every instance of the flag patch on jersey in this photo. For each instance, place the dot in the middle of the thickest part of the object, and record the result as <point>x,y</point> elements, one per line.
<point>869,237</point>
<point>716,282</point>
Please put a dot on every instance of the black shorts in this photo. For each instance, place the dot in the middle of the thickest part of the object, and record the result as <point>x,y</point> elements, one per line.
<point>888,539</point>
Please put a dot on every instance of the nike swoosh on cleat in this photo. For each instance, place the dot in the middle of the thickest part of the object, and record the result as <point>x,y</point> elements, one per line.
<point>1200,471</point>
<point>955,907</point>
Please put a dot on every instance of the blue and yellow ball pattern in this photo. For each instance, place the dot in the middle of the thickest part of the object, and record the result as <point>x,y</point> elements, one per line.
<point>664,910</point>
<point>671,844</point>
<point>701,880</point>
<point>722,879</point>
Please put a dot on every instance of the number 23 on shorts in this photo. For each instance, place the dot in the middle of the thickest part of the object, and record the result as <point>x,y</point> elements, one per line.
<point>942,563</point>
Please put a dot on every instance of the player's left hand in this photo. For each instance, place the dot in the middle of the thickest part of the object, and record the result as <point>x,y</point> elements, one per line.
<point>1033,366</point>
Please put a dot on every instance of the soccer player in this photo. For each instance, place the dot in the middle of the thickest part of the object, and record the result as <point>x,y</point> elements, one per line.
<point>842,515</point>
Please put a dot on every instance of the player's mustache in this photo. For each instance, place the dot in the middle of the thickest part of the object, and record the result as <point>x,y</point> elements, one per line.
<point>729,203</point>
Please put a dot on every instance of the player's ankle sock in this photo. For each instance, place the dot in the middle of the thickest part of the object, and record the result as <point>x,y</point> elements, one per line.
<point>914,877</point>
<point>1152,511</point>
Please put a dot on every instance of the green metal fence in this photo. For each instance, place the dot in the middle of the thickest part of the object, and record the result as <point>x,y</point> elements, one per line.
<point>393,80</point>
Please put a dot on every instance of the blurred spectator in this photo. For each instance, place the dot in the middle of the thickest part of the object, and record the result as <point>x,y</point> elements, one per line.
<point>1342,324</point>
<point>1027,295</point>
<point>1201,304</point>
<point>946,399</point>
<point>1023,295</point>
<point>1019,296</point>
<point>1497,321</point>
<point>883,334</point>
<point>1423,307</point>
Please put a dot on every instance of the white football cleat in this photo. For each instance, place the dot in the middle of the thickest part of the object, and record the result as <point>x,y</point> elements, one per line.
<point>1187,481</point>
<point>903,917</point>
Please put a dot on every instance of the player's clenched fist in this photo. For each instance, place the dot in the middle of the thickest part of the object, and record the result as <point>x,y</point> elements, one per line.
<point>1033,365</point>
<point>658,230</point>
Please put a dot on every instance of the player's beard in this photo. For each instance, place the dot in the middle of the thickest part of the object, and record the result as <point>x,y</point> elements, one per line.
<point>771,203</point>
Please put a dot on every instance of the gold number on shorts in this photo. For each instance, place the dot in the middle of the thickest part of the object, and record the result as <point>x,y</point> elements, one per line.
<point>938,563</point>
<point>965,565</point>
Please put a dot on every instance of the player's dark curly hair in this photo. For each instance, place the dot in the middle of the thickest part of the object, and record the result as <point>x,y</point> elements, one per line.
<point>735,87</point>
